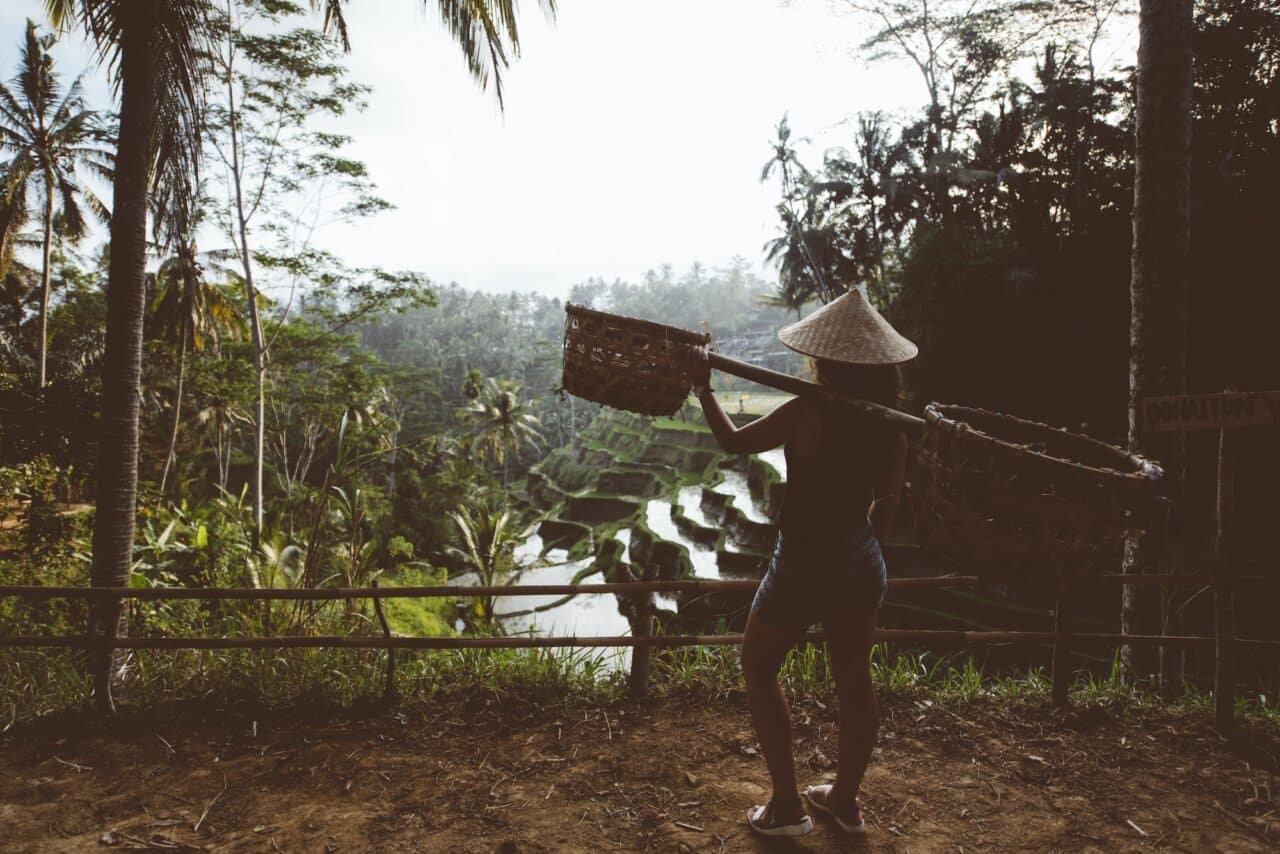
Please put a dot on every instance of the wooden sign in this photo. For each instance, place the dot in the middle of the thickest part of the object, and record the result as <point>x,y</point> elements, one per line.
<point>1212,411</point>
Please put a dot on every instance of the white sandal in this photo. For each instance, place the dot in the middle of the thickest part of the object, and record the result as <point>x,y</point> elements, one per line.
<point>800,828</point>
<point>821,806</point>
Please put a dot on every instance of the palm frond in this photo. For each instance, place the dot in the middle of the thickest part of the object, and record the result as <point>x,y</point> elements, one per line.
<point>334,20</point>
<point>61,13</point>
<point>35,79</point>
<point>73,222</point>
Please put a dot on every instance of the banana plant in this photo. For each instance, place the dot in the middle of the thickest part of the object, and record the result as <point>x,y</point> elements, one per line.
<point>490,540</point>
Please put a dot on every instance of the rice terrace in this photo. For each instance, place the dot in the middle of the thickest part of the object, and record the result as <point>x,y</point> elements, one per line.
<point>741,425</point>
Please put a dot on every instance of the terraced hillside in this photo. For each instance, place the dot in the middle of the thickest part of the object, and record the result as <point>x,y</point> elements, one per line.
<point>659,494</point>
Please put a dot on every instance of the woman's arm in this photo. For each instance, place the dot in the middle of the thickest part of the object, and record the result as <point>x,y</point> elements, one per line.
<point>766,432</point>
<point>885,505</point>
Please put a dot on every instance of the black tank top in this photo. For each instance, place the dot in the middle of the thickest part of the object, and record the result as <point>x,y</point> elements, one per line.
<point>832,489</point>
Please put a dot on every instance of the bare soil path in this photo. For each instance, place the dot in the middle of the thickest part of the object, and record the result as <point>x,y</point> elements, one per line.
<point>505,774</point>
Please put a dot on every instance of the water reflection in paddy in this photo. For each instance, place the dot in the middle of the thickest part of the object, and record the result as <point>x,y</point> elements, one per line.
<point>776,458</point>
<point>528,551</point>
<point>597,614</point>
<point>734,485</point>
<point>658,518</point>
<point>665,601</point>
<point>689,499</point>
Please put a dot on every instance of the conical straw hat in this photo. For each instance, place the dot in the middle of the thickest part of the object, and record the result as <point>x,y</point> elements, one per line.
<point>849,329</point>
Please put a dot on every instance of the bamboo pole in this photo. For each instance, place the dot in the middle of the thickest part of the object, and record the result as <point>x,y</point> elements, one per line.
<point>641,618</point>
<point>446,590</point>
<point>1062,664</point>
<point>934,637</point>
<point>389,689</point>
<point>326,593</point>
<point>1224,617</point>
<point>909,424</point>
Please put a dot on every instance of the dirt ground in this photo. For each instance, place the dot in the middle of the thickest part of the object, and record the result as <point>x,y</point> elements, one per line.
<point>509,775</point>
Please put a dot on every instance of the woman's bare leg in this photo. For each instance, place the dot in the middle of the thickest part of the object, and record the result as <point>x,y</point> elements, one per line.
<point>764,647</point>
<point>849,651</point>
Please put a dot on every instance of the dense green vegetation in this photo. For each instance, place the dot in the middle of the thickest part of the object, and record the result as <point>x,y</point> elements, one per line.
<point>998,220</point>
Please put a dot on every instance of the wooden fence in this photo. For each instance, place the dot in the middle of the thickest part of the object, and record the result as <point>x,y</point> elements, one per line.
<point>1062,639</point>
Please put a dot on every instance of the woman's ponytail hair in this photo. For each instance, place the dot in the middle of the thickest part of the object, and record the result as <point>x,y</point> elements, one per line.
<point>880,384</point>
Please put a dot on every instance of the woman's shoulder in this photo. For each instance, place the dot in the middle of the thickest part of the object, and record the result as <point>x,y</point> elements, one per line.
<point>806,417</point>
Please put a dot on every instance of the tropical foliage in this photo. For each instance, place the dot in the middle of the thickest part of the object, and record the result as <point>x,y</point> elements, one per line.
<point>488,542</point>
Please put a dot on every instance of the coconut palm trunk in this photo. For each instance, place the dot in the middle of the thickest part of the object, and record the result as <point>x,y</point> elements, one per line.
<point>117,481</point>
<point>1159,284</point>
<point>42,345</point>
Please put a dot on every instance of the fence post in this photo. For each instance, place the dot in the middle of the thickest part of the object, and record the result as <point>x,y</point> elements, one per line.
<point>640,615</point>
<point>1062,663</point>
<point>389,689</point>
<point>1224,623</point>
<point>106,616</point>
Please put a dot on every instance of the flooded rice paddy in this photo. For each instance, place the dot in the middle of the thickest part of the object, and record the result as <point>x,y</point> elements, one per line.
<point>598,615</point>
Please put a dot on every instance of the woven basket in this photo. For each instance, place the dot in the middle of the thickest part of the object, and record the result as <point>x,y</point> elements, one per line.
<point>627,363</point>
<point>1018,501</point>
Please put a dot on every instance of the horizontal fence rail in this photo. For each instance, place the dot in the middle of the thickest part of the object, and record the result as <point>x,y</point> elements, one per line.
<point>1062,639</point>
<point>936,637</point>
<point>439,590</point>
<point>460,590</point>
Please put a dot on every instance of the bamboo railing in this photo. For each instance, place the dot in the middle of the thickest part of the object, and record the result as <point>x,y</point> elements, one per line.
<point>1062,638</point>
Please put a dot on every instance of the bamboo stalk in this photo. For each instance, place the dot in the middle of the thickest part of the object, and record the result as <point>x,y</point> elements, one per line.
<point>1224,619</point>
<point>909,424</point>
<point>1062,658</point>
<point>389,689</point>
<point>937,637</point>
<point>323,593</point>
<point>1168,580</point>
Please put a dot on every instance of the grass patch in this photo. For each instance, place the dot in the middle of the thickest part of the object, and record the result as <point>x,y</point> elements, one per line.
<point>420,617</point>
<point>36,683</point>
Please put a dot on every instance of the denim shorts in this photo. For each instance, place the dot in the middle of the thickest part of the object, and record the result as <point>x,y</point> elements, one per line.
<point>811,580</point>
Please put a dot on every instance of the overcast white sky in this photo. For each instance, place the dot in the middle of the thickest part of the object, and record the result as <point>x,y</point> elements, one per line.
<point>633,135</point>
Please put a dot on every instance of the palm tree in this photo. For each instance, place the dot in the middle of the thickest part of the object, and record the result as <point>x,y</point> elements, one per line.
<point>490,543</point>
<point>806,253</point>
<point>485,30</point>
<point>1159,285</point>
<point>190,313</point>
<point>50,134</point>
<point>155,50</point>
<point>503,423</point>
<point>15,286</point>
<point>158,52</point>
<point>16,278</point>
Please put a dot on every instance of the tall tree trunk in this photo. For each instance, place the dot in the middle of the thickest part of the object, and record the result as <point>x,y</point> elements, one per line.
<point>117,481</point>
<point>177,408</point>
<point>255,319</point>
<point>42,343</point>
<point>1159,285</point>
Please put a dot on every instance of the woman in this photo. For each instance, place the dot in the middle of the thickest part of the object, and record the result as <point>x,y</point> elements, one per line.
<point>844,475</point>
